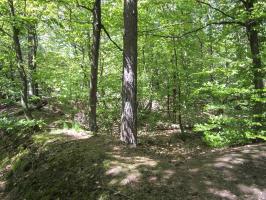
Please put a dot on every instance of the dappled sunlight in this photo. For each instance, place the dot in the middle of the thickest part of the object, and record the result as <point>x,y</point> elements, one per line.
<point>171,144</point>
<point>128,169</point>
<point>252,191</point>
<point>45,138</point>
<point>167,174</point>
<point>72,133</point>
<point>224,194</point>
<point>133,177</point>
<point>222,173</point>
<point>233,158</point>
<point>211,175</point>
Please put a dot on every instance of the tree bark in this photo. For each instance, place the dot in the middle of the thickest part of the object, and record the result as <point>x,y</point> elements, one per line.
<point>32,53</point>
<point>129,87</point>
<point>257,69</point>
<point>94,65</point>
<point>20,63</point>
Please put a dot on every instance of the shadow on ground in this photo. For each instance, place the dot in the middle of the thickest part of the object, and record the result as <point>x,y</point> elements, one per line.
<point>101,168</point>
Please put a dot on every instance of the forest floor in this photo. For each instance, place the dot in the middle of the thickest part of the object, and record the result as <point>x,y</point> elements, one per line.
<point>61,163</point>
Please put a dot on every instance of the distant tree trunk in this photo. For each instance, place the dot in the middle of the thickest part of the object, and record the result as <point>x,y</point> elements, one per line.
<point>12,71</point>
<point>20,63</point>
<point>148,107</point>
<point>129,88</point>
<point>178,90</point>
<point>257,69</point>
<point>174,100</point>
<point>94,64</point>
<point>101,77</point>
<point>168,100</point>
<point>32,53</point>
<point>180,122</point>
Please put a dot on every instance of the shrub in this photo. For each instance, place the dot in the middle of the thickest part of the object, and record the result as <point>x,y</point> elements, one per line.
<point>10,125</point>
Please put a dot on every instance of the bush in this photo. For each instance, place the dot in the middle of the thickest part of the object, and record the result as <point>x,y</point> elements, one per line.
<point>226,131</point>
<point>10,125</point>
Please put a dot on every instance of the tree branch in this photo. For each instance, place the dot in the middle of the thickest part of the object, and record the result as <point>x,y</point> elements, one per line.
<point>163,26</point>
<point>6,33</point>
<point>197,29</point>
<point>214,8</point>
<point>84,7</point>
<point>108,35</point>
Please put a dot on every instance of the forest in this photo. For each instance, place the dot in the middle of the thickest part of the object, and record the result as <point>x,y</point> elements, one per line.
<point>132,99</point>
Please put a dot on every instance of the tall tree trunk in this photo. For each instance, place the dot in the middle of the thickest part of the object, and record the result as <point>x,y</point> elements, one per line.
<point>257,69</point>
<point>129,88</point>
<point>20,63</point>
<point>94,64</point>
<point>32,53</point>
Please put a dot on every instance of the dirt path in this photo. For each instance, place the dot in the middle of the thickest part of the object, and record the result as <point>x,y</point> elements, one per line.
<point>232,174</point>
<point>238,173</point>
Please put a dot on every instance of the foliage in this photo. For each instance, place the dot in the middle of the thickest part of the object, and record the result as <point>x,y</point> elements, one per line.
<point>194,62</point>
<point>19,126</point>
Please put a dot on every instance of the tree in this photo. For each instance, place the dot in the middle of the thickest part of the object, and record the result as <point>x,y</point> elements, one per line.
<point>257,69</point>
<point>129,87</point>
<point>94,64</point>
<point>20,61</point>
<point>32,56</point>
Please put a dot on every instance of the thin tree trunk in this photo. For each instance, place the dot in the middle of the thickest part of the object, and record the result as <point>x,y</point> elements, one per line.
<point>178,89</point>
<point>32,53</point>
<point>174,100</point>
<point>168,100</point>
<point>94,64</point>
<point>129,88</point>
<point>180,110</point>
<point>20,63</point>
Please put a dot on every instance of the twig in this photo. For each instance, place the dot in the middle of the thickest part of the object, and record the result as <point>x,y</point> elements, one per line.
<point>85,7</point>
<point>3,31</point>
<point>108,35</point>
<point>214,8</point>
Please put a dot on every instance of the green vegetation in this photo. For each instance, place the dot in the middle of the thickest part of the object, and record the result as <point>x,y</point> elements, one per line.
<point>171,79</point>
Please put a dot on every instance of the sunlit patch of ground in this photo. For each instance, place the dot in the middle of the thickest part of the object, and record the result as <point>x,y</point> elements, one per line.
<point>72,133</point>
